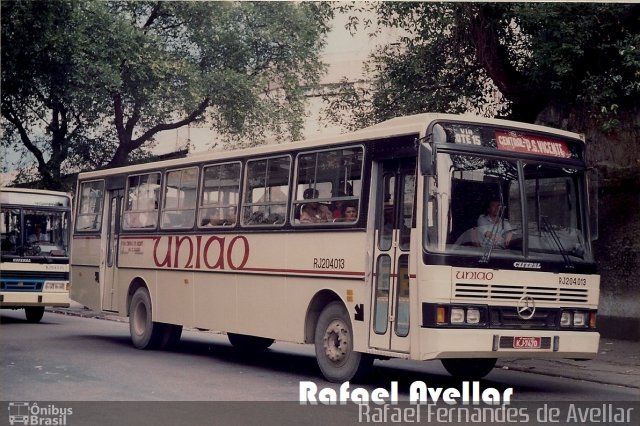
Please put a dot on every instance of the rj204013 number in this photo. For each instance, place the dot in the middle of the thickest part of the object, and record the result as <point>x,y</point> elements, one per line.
<point>572,281</point>
<point>331,263</point>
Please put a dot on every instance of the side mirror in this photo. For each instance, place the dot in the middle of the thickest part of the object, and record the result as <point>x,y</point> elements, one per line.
<point>425,153</point>
<point>592,185</point>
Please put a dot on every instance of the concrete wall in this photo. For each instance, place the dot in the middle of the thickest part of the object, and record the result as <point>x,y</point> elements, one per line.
<point>617,252</point>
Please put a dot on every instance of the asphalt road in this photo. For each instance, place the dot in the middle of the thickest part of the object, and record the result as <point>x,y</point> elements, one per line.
<point>69,358</point>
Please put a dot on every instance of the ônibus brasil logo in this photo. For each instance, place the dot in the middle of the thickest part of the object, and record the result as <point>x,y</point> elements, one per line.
<point>27,413</point>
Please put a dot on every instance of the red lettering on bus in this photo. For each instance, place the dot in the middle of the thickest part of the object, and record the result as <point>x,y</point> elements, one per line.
<point>167,257</point>
<point>474,275</point>
<point>210,253</point>
<point>179,241</point>
<point>198,242</point>
<point>230,251</point>
<point>220,260</point>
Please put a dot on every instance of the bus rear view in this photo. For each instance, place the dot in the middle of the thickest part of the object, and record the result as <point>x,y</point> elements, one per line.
<point>34,250</point>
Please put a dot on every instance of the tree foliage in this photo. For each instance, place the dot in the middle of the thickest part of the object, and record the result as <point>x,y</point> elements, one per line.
<point>86,84</point>
<point>515,60</point>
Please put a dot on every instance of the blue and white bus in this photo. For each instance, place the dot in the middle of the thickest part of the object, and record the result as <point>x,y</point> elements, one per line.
<point>34,237</point>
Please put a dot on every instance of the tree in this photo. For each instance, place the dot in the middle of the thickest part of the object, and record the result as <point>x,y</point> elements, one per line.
<point>90,83</point>
<point>529,62</point>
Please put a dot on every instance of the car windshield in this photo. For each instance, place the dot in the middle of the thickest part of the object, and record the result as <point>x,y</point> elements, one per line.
<point>477,207</point>
<point>34,232</point>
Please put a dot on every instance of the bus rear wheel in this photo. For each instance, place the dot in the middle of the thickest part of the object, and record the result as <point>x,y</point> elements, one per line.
<point>34,314</point>
<point>249,343</point>
<point>469,368</point>
<point>334,346</point>
<point>145,333</point>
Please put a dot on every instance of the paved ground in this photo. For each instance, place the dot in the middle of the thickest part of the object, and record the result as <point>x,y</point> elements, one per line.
<point>617,363</point>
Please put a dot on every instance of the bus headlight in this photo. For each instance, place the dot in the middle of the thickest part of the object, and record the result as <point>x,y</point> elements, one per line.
<point>457,315</point>
<point>565,319</point>
<point>579,319</point>
<point>56,286</point>
<point>467,315</point>
<point>473,316</point>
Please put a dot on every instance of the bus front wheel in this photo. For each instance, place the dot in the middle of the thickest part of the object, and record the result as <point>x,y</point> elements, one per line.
<point>145,333</point>
<point>469,368</point>
<point>34,314</point>
<point>334,346</point>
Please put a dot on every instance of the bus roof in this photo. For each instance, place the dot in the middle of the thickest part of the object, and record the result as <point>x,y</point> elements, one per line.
<point>34,191</point>
<point>34,197</point>
<point>396,127</point>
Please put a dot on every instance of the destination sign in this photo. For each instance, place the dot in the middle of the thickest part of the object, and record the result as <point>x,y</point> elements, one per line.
<point>532,144</point>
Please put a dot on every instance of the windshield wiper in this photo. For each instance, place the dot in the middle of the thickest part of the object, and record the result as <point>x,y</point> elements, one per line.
<point>556,239</point>
<point>492,239</point>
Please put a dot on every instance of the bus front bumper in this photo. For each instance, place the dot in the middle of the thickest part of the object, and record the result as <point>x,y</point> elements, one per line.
<point>499,343</point>
<point>26,299</point>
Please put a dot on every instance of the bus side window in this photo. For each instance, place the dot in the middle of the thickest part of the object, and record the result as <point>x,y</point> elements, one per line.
<point>141,207</point>
<point>90,207</point>
<point>265,194</point>
<point>328,186</point>
<point>219,195</point>
<point>179,203</point>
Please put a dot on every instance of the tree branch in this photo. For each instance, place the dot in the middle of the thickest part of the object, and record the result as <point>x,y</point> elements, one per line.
<point>195,114</point>
<point>11,116</point>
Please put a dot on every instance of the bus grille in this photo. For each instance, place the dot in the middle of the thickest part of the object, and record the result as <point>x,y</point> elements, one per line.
<point>516,292</point>
<point>22,285</point>
<point>507,317</point>
<point>28,281</point>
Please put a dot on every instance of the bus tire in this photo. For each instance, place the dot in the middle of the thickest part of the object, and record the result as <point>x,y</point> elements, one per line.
<point>249,343</point>
<point>334,346</point>
<point>469,368</point>
<point>34,314</point>
<point>145,333</point>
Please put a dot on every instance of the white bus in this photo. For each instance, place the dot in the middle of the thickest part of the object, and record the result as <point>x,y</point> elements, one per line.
<point>34,237</point>
<point>425,237</point>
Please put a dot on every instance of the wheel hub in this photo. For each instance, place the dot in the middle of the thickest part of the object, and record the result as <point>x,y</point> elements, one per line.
<point>337,341</point>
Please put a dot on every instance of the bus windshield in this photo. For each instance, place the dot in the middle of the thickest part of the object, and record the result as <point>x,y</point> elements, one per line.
<point>34,232</point>
<point>477,207</point>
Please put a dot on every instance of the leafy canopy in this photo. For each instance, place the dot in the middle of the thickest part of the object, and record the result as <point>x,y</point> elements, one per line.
<point>497,59</point>
<point>89,84</point>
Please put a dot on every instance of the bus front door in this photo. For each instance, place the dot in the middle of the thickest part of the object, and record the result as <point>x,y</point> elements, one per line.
<point>389,328</point>
<point>110,287</point>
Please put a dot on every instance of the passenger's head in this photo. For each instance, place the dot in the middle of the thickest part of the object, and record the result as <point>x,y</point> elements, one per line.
<point>494,207</point>
<point>350,213</point>
<point>310,193</point>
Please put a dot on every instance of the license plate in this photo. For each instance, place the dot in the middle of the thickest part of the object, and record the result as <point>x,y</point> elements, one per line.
<point>527,343</point>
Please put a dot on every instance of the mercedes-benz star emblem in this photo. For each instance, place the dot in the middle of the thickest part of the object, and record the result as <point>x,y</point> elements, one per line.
<point>526,307</point>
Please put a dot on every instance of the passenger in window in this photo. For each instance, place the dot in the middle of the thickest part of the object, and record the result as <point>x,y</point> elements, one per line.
<point>338,207</point>
<point>37,235</point>
<point>493,228</point>
<point>230,217</point>
<point>314,212</point>
<point>212,218</point>
<point>350,214</point>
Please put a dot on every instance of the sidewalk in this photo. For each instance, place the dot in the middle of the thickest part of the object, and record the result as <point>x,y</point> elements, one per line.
<point>617,363</point>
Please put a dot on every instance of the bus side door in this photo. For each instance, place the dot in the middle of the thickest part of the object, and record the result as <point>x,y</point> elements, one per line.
<point>110,287</point>
<point>395,189</point>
